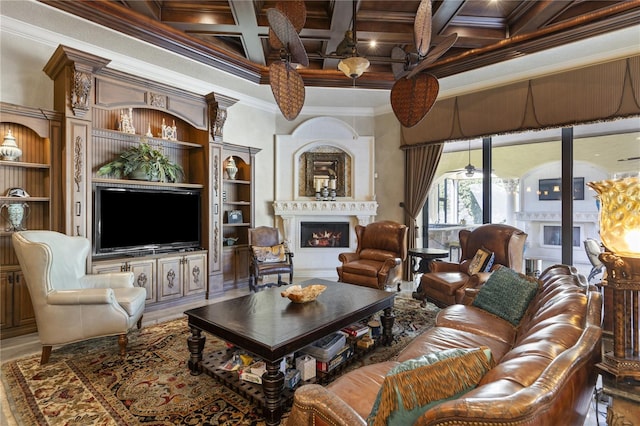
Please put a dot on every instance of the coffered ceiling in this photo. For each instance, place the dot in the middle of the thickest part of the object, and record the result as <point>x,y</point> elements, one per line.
<point>232,35</point>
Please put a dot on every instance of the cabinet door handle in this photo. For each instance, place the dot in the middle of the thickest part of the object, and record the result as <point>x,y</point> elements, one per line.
<point>10,278</point>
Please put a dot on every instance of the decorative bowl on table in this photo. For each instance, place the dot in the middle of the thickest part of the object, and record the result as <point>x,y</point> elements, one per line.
<point>299,294</point>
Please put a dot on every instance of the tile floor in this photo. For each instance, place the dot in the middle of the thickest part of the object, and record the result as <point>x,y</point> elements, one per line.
<point>28,344</point>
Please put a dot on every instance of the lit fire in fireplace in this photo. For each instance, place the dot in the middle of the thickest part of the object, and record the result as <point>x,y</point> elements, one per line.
<point>325,239</point>
<point>324,234</point>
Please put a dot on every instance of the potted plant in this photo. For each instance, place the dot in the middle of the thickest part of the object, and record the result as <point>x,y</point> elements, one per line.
<point>143,162</point>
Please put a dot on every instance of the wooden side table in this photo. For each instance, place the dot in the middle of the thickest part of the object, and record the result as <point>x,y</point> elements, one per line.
<point>421,259</point>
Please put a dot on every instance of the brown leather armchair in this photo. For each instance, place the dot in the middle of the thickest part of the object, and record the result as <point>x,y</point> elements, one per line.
<point>446,283</point>
<point>268,257</point>
<point>377,261</point>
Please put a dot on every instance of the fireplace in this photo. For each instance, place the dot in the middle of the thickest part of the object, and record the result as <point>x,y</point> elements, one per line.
<point>324,234</point>
<point>301,157</point>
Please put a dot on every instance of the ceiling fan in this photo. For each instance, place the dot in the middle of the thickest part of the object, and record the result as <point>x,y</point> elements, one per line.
<point>469,170</point>
<point>414,92</point>
<point>285,22</point>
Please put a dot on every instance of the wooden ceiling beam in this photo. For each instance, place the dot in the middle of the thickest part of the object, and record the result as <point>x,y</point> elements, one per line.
<point>245,17</point>
<point>537,15</point>
<point>148,8</point>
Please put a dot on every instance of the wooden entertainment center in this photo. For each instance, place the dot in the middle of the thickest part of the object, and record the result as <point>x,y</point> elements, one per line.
<point>63,149</point>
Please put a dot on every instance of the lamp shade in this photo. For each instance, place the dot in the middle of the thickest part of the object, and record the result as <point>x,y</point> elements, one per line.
<point>353,66</point>
<point>620,215</point>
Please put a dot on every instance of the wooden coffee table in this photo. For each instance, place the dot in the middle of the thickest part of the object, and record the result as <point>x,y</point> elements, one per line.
<point>271,327</point>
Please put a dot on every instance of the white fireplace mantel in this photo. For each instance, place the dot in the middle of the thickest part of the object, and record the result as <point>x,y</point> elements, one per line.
<point>310,261</point>
<point>363,211</point>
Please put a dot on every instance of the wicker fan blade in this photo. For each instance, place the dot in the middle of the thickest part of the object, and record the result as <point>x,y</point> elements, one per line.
<point>435,53</point>
<point>422,27</point>
<point>288,35</point>
<point>288,89</point>
<point>296,12</point>
<point>412,98</point>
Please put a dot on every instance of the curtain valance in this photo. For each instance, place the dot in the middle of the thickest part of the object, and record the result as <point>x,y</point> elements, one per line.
<point>597,93</point>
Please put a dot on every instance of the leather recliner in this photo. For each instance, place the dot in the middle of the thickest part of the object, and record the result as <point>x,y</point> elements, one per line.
<point>70,305</point>
<point>445,284</point>
<point>377,261</point>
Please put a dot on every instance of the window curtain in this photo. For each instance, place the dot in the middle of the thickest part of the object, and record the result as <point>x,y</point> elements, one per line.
<point>421,163</point>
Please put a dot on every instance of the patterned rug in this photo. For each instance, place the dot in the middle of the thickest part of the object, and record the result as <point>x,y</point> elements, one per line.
<point>89,383</point>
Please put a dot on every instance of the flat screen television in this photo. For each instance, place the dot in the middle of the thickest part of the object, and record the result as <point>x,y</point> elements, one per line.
<point>128,220</point>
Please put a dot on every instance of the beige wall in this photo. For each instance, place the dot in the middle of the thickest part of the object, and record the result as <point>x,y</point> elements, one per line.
<point>22,81</point>
<point>249,126</point>
<point>389,168</point>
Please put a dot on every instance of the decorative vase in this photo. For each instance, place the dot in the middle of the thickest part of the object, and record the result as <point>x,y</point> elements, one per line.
<point>15,214</point>
<point>9,150</point>
<point>232,169</point>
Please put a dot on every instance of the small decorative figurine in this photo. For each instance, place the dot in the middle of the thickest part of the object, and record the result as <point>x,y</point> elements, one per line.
<point>126,122</point>
<point>169,132</point>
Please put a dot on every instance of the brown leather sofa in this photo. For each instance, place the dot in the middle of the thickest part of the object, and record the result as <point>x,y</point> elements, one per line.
<point>447,281</point>
<point>377,261</point>
<point>544,372</point>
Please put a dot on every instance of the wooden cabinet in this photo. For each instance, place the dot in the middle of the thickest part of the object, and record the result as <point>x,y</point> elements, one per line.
<point>144,271</point>
<point>37,133</point>
<point>17,314</point>
<point>194,274</point>
<point>238,205</point>
<point>166,277</point>
<point>106,112</point>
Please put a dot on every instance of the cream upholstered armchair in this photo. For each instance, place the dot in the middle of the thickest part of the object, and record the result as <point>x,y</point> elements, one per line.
<point>70,305</point>
<point>377,261</point>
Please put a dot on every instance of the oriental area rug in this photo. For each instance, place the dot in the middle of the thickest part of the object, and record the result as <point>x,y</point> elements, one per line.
<point>89,383</point>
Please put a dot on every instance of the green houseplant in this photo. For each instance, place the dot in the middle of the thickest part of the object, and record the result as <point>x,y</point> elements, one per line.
<point>143,162</point>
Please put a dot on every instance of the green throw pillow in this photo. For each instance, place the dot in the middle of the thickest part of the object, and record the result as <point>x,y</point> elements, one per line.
<point>414,386</point>
<point>506,294</point>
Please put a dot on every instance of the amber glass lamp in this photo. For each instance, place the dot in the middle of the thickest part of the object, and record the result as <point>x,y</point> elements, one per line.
<point>620,234</point>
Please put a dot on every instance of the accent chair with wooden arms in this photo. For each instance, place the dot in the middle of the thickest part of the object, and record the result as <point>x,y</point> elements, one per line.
<point>500,244</point>
<point>268,256</point>
<point>69,305</point>
<point>377,261</point>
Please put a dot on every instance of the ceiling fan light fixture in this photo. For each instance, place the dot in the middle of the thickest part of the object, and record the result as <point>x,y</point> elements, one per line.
<point>353,66</point>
